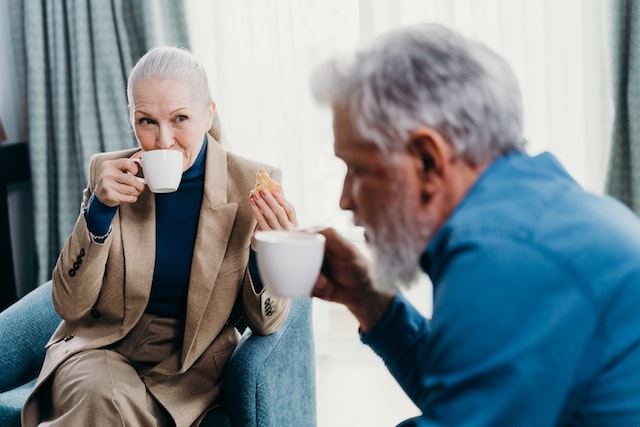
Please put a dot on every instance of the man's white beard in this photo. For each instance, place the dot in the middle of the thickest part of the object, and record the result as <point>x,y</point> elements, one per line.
<point>397,243</point>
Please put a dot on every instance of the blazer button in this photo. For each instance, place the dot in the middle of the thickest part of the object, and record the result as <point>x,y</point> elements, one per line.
<point>76,266</point>
<point>72,272</point>
<point>95,313</point>
<point>82,252</point>
<point>68,337</point>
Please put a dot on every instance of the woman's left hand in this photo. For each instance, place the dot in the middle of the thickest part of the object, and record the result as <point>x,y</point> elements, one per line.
<point>273,211</point>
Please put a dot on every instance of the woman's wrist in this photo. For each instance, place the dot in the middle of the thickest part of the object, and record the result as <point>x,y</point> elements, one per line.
<point>99,217</point>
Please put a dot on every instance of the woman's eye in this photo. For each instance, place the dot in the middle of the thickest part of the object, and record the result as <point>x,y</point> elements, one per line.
<point>181,118</point>
<point>145,121</point>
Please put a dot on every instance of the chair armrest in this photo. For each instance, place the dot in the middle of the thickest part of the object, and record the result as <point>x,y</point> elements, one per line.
<point>25,328</point>
<point>270,380</point>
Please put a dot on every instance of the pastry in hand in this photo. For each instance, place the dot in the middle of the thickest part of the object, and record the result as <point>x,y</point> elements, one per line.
<point>264,181</point>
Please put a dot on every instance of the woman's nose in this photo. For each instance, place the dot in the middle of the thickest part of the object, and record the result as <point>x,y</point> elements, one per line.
<point>165,138</point>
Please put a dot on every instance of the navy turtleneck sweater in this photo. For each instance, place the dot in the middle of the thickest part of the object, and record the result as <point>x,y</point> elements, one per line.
<point>177,216</point>
<point>176,226</point>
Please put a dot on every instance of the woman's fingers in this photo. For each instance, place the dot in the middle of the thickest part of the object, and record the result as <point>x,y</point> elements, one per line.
<point>257,213</point>
<point>117,183</point>
<point>288,209</point>
<point>273,211</point>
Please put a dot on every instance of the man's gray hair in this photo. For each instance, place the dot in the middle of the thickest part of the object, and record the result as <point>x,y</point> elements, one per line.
<point>427,75</point>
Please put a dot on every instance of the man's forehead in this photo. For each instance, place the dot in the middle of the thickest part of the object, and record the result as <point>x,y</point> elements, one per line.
<point>353,146</point>
<point>346,139</point>
<point>341,118</point>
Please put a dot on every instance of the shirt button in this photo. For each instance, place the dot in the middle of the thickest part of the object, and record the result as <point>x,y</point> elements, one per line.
<point>95,313</point>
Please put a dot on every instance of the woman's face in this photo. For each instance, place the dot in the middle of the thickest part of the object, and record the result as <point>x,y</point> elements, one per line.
<point>167,114</point>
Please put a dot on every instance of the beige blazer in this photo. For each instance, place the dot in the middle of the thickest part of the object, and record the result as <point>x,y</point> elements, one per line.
<point>101,290</point>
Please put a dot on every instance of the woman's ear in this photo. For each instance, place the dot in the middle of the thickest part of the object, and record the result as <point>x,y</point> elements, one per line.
<point>433,155</point>
<point>212,113</point>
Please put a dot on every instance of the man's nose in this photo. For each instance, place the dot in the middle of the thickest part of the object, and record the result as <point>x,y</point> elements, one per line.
<point>346,198</point>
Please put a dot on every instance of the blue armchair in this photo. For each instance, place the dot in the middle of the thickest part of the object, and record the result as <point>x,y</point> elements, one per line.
<point>270,380</point>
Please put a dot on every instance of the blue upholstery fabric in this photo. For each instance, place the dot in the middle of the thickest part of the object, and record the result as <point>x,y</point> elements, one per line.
<point>274,383</point>
<point>11,402</point>
<point>270,380</point>
<point>25,328</point>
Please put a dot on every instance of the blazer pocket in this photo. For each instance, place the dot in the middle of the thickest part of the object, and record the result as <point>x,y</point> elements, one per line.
<point>222,349</point>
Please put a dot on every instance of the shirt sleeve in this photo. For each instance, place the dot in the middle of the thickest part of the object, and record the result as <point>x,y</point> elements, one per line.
<point>255,273</point>
<point>98,216</point>
<point>506,342</point>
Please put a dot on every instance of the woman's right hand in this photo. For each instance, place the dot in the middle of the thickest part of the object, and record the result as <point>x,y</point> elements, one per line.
<point>117,183</point>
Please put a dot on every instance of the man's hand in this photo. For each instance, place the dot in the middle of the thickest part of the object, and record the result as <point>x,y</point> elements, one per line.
<point>345,279</point>
<point>117,183</point>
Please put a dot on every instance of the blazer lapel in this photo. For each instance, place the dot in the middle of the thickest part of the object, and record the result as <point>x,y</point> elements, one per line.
<point>215,225</point>
<point>137,222</point>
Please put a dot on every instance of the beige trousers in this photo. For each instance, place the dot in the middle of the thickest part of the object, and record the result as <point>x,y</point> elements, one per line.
<point>102,387</point>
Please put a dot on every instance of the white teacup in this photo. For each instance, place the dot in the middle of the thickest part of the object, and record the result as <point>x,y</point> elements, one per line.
<point>289,261</point>
<point>162,170</point>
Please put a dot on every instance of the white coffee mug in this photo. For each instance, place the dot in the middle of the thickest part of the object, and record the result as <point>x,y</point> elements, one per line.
<point>289,261</point>
<point>162,170</point>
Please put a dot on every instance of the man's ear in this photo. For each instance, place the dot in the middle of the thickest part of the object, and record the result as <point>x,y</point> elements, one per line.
<point>433,155</point>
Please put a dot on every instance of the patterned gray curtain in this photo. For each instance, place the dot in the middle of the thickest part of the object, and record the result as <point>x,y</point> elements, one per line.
<point>77,57</point>
<point>623,180</point>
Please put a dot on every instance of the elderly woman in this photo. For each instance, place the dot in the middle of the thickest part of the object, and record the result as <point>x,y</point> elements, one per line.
<point>151,286</point>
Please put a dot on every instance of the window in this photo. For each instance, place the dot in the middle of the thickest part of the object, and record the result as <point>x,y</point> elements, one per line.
<point>260,53</point>
<point>259,56</point>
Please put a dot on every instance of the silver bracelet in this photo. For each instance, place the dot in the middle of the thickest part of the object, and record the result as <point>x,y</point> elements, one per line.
<point>100,239</point>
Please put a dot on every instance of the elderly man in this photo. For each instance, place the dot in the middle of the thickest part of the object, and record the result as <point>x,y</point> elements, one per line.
<point>536,318</point>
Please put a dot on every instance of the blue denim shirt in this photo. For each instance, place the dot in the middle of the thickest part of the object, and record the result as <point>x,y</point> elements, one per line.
<point>536,314</point>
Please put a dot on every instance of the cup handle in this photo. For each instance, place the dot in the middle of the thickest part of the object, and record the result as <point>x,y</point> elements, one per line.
<point>139,161</point>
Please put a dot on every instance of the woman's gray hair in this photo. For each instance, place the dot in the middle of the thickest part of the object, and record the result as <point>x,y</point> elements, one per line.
<point>170,63</point>
<point>427,75</point>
